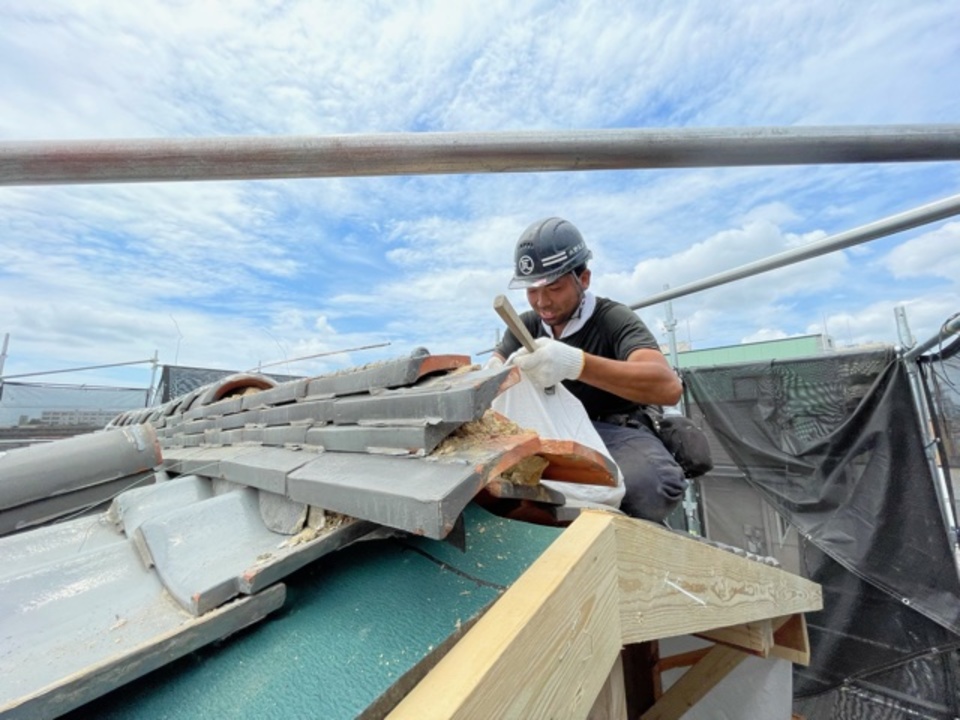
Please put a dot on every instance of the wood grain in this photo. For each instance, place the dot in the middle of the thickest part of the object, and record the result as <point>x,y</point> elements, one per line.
<point>545,649</point>
<point>672,585</point>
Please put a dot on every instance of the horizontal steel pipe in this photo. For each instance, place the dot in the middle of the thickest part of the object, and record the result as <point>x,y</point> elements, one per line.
<point>949,329</point>
<point>890,225</point>
<point>236,158</point>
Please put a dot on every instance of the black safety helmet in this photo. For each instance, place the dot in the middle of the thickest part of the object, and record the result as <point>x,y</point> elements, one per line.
<point>546,251</point>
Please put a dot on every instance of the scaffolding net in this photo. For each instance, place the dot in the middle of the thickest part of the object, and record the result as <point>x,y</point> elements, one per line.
<point>178,380</point>
<point>834,445</point>
<point>51,405</point>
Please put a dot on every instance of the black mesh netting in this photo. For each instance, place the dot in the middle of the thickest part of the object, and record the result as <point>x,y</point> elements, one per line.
<point>24,403</point>
<point>941,380</point>
<point>177,380</point>
<point>833,443</point>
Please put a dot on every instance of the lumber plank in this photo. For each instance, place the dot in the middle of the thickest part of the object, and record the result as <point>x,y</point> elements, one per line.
<point>611,703</point>
<point>673,585</point>
<point>545,649</point>
<point>791,641</point>
<point>694,684</point>
<point>755,638</point>
<point>684,659</point>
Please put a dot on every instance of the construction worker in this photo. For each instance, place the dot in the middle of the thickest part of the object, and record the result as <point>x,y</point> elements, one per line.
<point>604,354</point>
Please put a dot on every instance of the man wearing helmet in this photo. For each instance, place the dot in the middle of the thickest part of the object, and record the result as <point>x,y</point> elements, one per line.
<point>605,356</point>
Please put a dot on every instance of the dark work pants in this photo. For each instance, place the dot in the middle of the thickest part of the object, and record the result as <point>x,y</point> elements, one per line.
<point>654,481</point>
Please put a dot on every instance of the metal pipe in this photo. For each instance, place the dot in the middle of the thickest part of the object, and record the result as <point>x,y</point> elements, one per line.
<point>907,340</point>
<point>318,355</point>
<point>235,158</point>
<point>950,327</point>
<point>68,370</point>
<point>881,228</point>
<point>151,392</point>
<point>926,429</point>
<point>3,353</point>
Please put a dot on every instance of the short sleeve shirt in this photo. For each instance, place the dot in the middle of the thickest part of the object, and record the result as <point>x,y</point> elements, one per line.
<point>613,331</point>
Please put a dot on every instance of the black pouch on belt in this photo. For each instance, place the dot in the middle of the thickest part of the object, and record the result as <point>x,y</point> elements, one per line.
<point>687,443</point>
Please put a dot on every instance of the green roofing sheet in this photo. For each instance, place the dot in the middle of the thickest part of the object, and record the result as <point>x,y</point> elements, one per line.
<point>353,624</point>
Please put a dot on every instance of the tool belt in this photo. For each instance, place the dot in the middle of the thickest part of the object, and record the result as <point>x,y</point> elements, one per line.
<point>635,419</point>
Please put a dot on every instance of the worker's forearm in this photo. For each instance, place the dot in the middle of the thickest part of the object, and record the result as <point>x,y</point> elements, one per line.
<point>649,383</point>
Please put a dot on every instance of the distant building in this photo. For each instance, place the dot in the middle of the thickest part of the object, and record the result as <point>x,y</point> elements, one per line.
<point>90,418</point>
<point>781,349</point>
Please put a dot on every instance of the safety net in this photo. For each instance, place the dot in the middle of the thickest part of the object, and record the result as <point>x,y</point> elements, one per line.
<point>834,444</point>
<point>177,380</point>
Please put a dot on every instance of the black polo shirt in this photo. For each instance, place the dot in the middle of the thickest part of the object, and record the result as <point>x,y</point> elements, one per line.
<point>613,331</point>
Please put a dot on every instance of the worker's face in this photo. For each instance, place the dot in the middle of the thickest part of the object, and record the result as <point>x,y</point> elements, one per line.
<point>557,302</point>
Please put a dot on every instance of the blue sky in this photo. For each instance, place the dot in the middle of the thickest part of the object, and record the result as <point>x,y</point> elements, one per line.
<point>235,274</point>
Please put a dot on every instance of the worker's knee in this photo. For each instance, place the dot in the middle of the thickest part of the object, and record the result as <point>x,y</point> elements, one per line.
<point>653,495</point>
<point>654,482</point>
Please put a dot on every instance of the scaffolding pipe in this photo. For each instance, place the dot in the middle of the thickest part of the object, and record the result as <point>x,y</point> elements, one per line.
<point>317,355</point>
<point>950,327</point>
<point>944,495</point>
<point>3,353</point>
<point>259,158</point>
<point>922,215</point>
<point>77,369</point>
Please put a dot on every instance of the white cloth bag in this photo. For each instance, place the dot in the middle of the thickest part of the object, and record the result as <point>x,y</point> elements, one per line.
<point>559,416</point>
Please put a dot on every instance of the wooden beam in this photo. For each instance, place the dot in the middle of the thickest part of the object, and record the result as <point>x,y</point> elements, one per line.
<point>791,641</point>
<point>545,649</point>
<point>755,638</point>
<point>684,659</point>
<point>674,585</point>
<point>695,683</point>
<point>611,703</point>
<point>640,676</point>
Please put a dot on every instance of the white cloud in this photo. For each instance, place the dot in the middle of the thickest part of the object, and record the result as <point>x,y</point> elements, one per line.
<point>730,250</point>
<point>877,322</point>
<point>935,253</point>
<point>236,274</point>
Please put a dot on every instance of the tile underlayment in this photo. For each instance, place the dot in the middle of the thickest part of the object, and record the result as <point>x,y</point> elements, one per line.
<point>265,479</point>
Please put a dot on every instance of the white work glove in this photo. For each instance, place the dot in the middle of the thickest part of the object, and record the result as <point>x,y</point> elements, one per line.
<point>493,363</point>
<point>550,363</point>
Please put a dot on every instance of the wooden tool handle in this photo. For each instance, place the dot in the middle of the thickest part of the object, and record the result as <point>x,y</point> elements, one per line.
<point>509,316</point>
